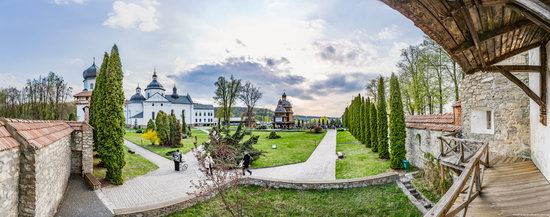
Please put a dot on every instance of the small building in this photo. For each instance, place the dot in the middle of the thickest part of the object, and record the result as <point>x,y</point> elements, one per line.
<point>283,115</point>
<point>82,98</point>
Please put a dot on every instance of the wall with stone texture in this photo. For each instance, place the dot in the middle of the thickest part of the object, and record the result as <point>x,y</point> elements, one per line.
<point>52,175</point>
<point>419,142</point>
<point>510,106</point>
<point>9,179</point>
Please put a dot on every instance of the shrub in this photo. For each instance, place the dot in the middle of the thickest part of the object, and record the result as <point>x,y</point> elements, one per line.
<point>152,136</point>
<point>273,135</point>
<point>139,131</point>
<point>316,129</point>
<point>261,127</point>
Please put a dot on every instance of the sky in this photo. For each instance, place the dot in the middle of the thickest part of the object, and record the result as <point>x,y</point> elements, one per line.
<point>321,52</point>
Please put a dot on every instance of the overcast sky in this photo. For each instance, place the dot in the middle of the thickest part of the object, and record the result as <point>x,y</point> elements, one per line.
<point>321,52</point>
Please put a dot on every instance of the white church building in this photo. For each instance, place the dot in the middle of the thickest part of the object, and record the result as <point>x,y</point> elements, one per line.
<point>142,107</point>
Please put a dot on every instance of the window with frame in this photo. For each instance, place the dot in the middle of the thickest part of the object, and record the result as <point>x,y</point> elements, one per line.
<point>482,121</point>
<point>153,115</point>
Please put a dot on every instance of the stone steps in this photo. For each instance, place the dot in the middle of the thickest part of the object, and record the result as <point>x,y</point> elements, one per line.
<point>414,196</point>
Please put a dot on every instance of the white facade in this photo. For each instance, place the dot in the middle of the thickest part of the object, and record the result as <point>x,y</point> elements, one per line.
<point>142,108</point>
<point>540,134</point>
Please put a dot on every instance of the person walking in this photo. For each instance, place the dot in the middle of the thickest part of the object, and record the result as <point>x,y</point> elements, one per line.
<point>209,163</point>
<point>247,159</point>
<point>176,156</point>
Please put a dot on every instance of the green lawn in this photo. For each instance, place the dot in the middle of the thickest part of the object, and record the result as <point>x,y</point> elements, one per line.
<point>137,139</point>
<point>386,200</point>
<point>135,166</point>
<point>359,161</point>
<point>292,147</point>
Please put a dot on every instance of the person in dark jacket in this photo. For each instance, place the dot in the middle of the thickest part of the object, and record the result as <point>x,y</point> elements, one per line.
<point>176,156</point>
<point>247,159</point>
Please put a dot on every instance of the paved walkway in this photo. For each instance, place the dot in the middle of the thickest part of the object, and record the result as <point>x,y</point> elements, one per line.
<point>163,184</point>
<point>321,165</point>
<point>80,201</point>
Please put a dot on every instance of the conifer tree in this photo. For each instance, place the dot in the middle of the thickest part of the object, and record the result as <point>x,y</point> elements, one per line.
<point>163,128</point>
<point>374,127</point>
<point>361,114</point>
<point>175,131</point>
<point>367,141</point>
<point>382,122</point>
<point>97,100</point>
<point>183,126</point>
<point>150,125</point>
<point>397,125</point>
<point>110,122</point>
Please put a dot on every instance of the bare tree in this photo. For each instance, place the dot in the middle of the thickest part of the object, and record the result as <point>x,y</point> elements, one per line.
<point>250,94</point>
<point>226,95</point>
<point>372,87</point>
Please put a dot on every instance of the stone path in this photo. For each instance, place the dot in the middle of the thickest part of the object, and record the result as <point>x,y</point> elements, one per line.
<point>161,185</point>
<point>80,201</point>
<point>321,165</point>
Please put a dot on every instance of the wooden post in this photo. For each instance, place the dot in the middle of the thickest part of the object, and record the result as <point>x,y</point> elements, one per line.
<point>543,84</point>
<point>461,147</point>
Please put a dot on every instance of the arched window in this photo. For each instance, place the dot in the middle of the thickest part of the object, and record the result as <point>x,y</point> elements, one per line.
<point>91,86</point>
<point>153,115</point>
<point>418,140</point>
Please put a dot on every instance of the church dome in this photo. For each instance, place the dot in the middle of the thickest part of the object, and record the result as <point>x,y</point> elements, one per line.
<point>286,104</point>
<point>90,72</point>
<point>138,97</point>
<point>154,83</point>
<point>280,109</point>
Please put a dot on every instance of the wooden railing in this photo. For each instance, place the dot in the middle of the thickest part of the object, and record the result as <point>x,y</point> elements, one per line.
<point>470,178</point>
<point>459,147</point>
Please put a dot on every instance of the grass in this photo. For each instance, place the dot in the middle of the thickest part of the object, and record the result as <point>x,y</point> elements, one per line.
<point>135,166</point>
<point>359,161</point>
<point>292,147</point>
<point>137,139</point>
<point>422,186</point>
<point>385,200</point>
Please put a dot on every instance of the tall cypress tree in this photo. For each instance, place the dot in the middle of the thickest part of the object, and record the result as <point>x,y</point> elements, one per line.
<point>361,123</point>
<point>374,127</point>
<point>98,99</point>
<point>383,151</point>
<point>397,125</point>
<point>110,121</point>
<point>367,123</point>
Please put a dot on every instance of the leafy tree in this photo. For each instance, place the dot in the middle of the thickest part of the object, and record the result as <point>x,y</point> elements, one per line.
<point>397,125</point>
<point>382,122</point>
<point>150,125</point>
<point>110,121</point>
<point>151,135</point>
<point>373,115</point>
<point>163,128</point>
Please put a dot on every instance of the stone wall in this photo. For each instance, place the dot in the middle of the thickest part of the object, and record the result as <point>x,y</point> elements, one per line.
<point>510,106</point>
<point>9,179</point>
<point>421,141</point>
<point>52,174</point>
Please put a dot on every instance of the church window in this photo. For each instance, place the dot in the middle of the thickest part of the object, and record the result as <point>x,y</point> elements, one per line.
<point>153,113</point>
<point>172,112</point>
<point>153,104</point>
<point>91,86</point>
<point>148,95</point>
<point>161,104</point>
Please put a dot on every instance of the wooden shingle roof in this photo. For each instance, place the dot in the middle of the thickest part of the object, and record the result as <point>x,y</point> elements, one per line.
<point>501,28</point>
<point>444,122</point>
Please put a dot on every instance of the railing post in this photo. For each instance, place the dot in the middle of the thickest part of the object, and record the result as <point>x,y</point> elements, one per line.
<point>441,152</point>
<point>461,147</point>
<point>487,159</point>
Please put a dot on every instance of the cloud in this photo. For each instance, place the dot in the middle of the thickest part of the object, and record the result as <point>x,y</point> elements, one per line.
<point>348,52</point>
<point>267,73</point>
<point>142,16</point>
<point>388,33</point>
<point>343,83</point>
<point>239,42</point>
<point>64,2</point>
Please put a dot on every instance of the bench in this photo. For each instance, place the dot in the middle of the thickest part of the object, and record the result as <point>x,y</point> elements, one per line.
<point>92,181</point>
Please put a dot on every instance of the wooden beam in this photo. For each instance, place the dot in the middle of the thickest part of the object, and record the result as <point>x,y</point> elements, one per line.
<point>521,85</point>
<point>491,34</point>
<point>514,68</point>
<point>473,33</point>
<point>506,56</point>
<point>543,85</point>
<point>536,11</point>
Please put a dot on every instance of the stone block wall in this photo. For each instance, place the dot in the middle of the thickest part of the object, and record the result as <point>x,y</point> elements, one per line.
<point>9,182</point>
<point>510,106</point>
<point>419,142</point>
<point>52,174</point>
